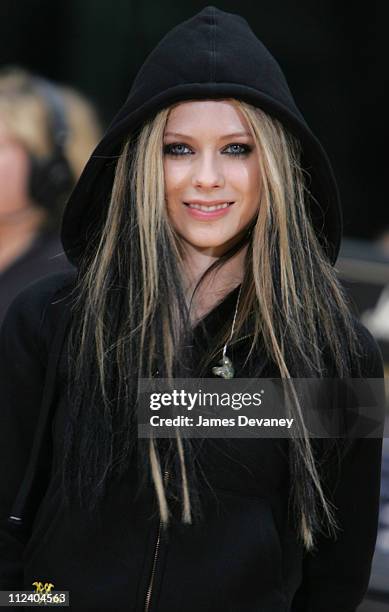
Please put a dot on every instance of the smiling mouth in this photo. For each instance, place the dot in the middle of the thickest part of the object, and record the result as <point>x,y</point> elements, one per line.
<point>209,208</point>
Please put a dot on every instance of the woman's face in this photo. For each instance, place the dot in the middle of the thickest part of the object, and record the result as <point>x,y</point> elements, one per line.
<point>212,179</point>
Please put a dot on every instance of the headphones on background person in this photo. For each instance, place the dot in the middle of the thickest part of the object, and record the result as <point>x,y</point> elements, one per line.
<point>51,177</point>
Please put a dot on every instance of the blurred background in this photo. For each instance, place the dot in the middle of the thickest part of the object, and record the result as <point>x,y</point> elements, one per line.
<point>88,52</point>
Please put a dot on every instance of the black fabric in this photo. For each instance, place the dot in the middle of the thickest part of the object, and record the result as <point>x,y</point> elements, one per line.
<point>213,55</point>
<point>243,555</point>
<point>43,257</point>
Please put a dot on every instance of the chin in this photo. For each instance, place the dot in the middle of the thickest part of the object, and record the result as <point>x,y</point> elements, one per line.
<point>209,244</point>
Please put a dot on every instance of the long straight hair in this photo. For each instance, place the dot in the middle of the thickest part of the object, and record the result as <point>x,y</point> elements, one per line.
<point>130,319</point>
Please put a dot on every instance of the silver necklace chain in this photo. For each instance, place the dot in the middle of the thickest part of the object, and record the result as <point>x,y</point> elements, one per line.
<point>226,368</point>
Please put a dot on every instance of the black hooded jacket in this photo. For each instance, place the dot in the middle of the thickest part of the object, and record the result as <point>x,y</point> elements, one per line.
<point>244,555</point>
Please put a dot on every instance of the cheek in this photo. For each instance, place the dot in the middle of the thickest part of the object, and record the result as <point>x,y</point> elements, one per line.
<point>176,178</point>
<point>245,179</point>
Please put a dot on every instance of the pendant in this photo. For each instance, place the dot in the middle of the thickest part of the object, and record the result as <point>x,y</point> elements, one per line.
<point>226,370</point>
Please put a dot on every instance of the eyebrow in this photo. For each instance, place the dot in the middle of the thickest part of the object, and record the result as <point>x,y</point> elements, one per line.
<point>224,137</point>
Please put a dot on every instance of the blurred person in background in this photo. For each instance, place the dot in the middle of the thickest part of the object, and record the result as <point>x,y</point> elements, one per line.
<point>47,132</point>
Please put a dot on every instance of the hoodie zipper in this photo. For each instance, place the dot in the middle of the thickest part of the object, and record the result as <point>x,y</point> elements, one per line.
<point>156,553</point>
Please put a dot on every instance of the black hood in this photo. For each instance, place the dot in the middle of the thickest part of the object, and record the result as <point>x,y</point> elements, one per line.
<point>213,55</point>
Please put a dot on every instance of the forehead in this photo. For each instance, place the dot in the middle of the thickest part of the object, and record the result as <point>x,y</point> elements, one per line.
<point>199,115</point>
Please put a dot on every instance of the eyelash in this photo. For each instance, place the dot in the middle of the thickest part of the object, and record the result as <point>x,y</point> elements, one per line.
<point>168,149</point>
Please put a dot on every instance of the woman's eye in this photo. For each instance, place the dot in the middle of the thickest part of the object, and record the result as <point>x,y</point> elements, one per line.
<point>238,149</point>
<point>176,149</point>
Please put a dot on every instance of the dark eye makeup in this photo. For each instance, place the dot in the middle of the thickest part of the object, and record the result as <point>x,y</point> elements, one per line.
<point>177,149</point>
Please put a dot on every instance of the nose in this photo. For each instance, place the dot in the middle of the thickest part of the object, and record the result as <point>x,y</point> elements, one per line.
<point>208,172</point>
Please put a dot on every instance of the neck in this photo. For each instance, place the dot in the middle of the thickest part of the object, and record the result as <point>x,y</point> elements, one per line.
<point>17,232</point>
<point>216,285</point>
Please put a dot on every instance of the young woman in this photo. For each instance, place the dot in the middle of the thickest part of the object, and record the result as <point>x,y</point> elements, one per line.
<point>203,228</point>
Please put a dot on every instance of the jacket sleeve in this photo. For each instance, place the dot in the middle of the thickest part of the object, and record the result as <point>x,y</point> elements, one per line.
<point>22,372</point>
<point>336,575</point>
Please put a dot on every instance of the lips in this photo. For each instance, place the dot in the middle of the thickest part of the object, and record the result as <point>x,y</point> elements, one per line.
<point>211,211</point>
<point>209,206</point>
